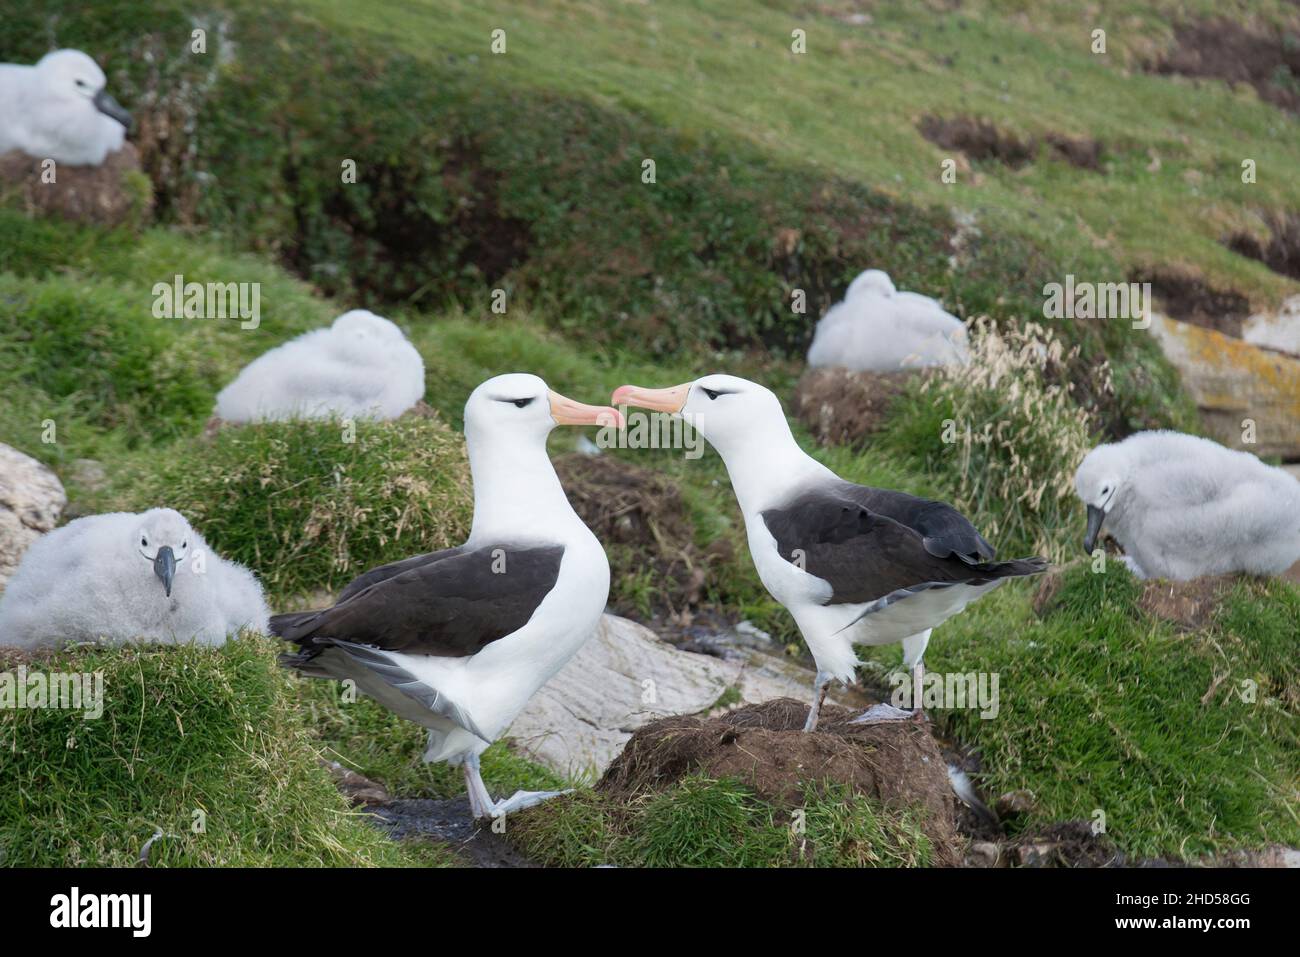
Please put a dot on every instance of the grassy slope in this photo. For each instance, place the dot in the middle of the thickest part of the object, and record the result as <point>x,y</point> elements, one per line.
<point>110,404</point>
<point>851,103</point>
<point>184,730</point>
<point>1104,707</point>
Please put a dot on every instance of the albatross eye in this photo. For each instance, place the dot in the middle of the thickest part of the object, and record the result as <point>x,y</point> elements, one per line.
<point>710,393</point>
<point>520,403</point>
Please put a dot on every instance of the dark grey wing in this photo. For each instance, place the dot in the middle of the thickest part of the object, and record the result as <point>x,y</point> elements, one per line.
<point>865,556</point>
<point>451,607</point>
<point>392,569</point>
<point>944,531</point>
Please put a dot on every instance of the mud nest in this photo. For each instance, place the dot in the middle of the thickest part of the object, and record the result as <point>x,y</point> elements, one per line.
<point>106,195</point>
<point>841,407</point>
<point>764,747</point>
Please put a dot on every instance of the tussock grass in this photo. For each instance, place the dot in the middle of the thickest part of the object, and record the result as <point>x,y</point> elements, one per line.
<point>1004,433</point>
<point>310,505</point>
<point>701,822</point>
<point>185,729</point>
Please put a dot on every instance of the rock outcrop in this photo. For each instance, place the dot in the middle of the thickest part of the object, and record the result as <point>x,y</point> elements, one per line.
<point>31,501</point>
<point>1233,381</point>
<point>626,677</point>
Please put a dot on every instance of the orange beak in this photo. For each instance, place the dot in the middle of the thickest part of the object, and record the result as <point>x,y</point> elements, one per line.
<point>567,412</point>
<point>658,400</point>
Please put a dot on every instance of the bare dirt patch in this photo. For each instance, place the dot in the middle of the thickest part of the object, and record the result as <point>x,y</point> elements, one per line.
<point>841,407</point>
<point>1080,152</point>
<point>1280,252</point>
<point>1188,605</point>
<point>983,141</point>
<point>1266,58</point>
<point>1189,298</point>
<point>978,139</point>
<point>764,747</point>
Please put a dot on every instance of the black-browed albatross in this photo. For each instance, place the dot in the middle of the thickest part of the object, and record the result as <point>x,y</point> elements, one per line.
<point>852,564</point>
<point>459,640</point>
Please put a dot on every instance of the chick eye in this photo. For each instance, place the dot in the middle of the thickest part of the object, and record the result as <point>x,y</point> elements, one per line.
<point>710,393</point>
<point>520,403</point>
<point>144,542</point>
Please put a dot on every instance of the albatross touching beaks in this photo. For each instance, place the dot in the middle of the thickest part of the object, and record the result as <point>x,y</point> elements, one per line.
<point>459,640</point>
<point>852,564</point>
<point>1183,506</point>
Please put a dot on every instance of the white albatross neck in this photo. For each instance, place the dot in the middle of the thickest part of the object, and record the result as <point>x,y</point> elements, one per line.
<point>767,466</point>
<point>517,495</point>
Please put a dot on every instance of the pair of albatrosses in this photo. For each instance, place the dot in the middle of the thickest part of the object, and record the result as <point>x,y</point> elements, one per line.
<point>459,640</point>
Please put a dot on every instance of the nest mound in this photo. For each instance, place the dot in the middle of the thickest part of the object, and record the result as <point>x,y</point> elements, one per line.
<point>764,747</point>
<point>115,193</point>
<point>842,407</point>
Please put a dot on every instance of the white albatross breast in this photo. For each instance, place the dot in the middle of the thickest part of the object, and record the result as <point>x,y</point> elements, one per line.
<point>459,640</point>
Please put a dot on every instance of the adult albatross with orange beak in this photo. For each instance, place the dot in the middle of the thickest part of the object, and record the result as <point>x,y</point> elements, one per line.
<point>852,564</point>
<point>459,640</point>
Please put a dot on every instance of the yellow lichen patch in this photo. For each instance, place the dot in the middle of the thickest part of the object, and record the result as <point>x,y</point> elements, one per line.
<point>1244,392</point>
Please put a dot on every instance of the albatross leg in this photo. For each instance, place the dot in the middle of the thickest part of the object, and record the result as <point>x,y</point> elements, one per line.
<point>913,649</point>
<point>475,805</point>
<point>918,706</point>
<point>819,696</point>
<point>481,803</point>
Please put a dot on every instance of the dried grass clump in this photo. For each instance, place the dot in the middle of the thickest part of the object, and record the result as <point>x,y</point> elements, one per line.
<point>1013,436</point>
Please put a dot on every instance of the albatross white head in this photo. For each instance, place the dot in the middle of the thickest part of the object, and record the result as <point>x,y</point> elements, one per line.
<point>1098,482</point>
<point>76,108</point>
<point>164,540</point>
<point>507,420</point>
<point>872,281</point>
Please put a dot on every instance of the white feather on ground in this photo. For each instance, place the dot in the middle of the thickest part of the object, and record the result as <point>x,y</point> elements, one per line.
<point>59,110</point>
<point>879,329</point>
<point>1183,507</point>
<point>360,367</point>
<point>95,578</point>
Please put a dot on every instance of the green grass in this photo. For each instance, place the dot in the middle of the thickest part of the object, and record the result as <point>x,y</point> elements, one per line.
<point>383,747</point>
<point>700,822</point>
<point>208,746</point>
<point>851,103</point>
<point>1102,708</point>
<point>311,505</point>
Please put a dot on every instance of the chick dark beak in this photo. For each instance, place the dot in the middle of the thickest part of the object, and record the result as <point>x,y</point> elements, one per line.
<point>164,566</point>
<point>1095,517</point>
<point>110,107</point>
